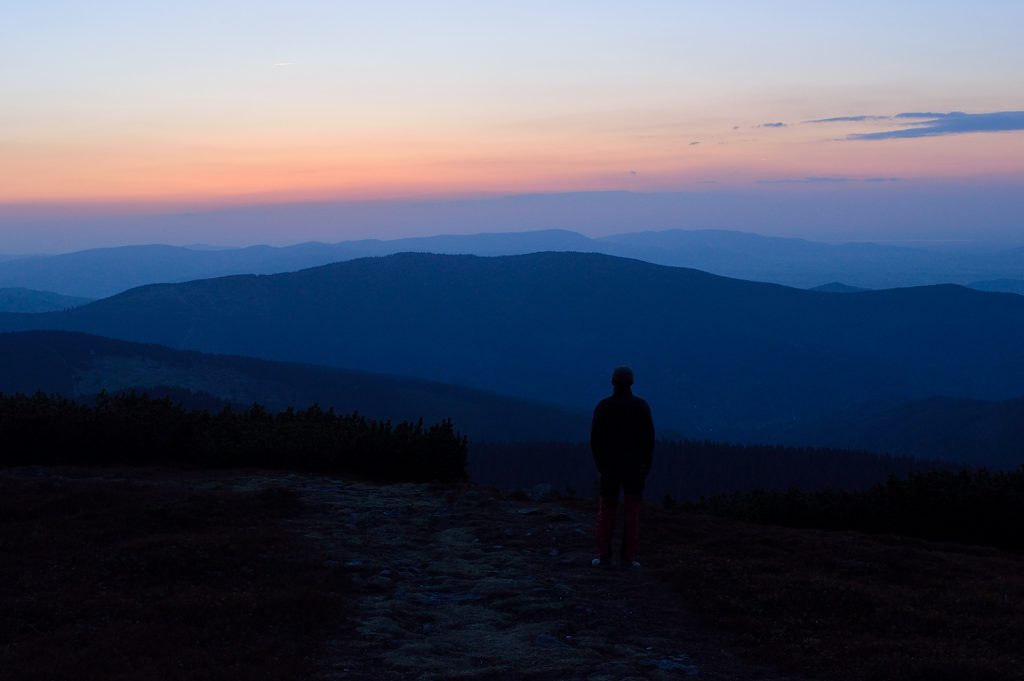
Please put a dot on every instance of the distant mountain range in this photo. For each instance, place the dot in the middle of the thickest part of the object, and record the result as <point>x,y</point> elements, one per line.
<point>27,300</point>
<point>793,262</point>
<point>81,365</point>
<point>838,287</point>
<point>717,357</point>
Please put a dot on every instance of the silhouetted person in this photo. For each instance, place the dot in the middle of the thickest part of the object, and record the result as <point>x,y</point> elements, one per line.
<point>622,442</point>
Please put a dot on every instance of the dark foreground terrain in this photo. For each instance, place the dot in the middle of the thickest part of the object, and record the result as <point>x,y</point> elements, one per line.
<point>106,576</point>
<point>118,574</point>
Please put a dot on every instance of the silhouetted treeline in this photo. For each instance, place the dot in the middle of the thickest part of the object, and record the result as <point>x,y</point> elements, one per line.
<point>76,364</point>
<point>688,470</point>
<point>183,397</point>
<point>138,429</point>
<point>972,507</point>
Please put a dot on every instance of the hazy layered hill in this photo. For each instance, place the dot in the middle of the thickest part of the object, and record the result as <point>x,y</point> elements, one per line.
<point>806,264</point>
<point>106,271</point>
<point>949,428</point>
<point>1005,285</point>
<point>838,287</point>
<point>75,365</point>
<point>103,272</point>
<point>27,300</point>
<point>717,357</point>
<point>794,262</point>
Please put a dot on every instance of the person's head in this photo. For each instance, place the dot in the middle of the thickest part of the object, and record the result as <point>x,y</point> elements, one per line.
<point>622,378</point>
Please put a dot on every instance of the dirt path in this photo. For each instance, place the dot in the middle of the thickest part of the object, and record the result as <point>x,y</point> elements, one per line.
<point>470,585</point>
<point>467,584</point>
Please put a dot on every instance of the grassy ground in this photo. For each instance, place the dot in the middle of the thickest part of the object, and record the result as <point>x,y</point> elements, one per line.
<point>844,605</point>
<point>114,580</point>
<point>248,575</point>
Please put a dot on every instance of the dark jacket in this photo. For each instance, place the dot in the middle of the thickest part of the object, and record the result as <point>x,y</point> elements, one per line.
<point>622,434</point>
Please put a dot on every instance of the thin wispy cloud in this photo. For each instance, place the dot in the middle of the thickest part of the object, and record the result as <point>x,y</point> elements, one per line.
<point>777,124</point>
<point>829,179</point>
<point>694,143</point>
<point>813,179</point>
<point>953,123</point>
<point>926,114</point>
<point>934,124</point>
<point>849,119</point>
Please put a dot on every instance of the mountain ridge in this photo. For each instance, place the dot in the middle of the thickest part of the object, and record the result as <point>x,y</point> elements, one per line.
<point>795,262</point>
<point>720,358</point>
<point>17,299</point>
<point>939,427</point>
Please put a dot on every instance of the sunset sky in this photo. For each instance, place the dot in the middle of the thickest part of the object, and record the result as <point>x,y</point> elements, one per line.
<point>108,107</point>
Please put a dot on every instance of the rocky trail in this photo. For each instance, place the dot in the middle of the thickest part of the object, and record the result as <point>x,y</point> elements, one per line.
<point>469,584</point>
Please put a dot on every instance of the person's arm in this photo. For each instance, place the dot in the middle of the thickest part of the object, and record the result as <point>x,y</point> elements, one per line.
<point>598,439</point>
<point>648,439</point>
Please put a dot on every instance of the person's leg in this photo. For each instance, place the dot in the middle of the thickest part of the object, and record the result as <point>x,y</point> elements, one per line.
<point>634,487</point>
<point>631,539</point>
<point>606,507</point>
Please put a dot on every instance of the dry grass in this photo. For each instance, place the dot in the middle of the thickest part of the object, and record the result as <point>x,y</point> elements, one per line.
<point>847,606</point>
<point>113,580</point>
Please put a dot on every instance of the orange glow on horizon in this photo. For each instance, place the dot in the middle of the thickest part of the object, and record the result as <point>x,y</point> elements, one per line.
<point>449,164</point>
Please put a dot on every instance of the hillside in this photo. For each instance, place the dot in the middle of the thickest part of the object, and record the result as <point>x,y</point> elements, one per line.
<point>103,272</point>
<point>28,300</point>
<point>718,358</point>
<point>805,264</point>
<point>837,287</point>
<point>1004,285</point>
<point>75,364</point>
<point>949,428</point>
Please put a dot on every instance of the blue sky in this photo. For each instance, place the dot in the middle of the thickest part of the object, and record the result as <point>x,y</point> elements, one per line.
<point>149,108</point>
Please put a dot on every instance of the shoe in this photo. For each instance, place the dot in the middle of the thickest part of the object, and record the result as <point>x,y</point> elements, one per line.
<point>634,564</point>
<point>596,562</point>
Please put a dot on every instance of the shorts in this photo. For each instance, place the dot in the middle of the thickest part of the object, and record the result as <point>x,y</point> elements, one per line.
<point>632,483</point>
